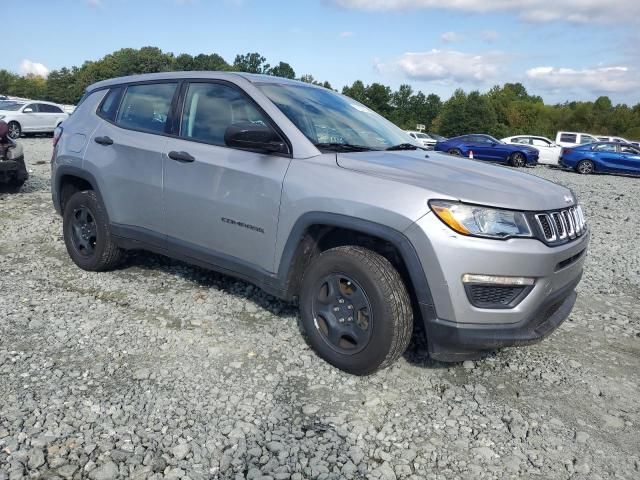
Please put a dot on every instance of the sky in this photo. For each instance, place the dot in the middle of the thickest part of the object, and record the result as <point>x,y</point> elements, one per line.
<point>563,50</point>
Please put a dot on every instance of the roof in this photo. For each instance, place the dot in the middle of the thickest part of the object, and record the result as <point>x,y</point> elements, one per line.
<point>213,75</point>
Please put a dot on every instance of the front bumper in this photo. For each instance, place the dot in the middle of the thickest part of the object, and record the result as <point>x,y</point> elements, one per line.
<point>452,342</point>
<point>455,328</point>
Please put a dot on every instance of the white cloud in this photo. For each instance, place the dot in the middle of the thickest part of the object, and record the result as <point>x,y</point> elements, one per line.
<point>615,79</point>
<point>450,37</point>
<point>489,36</point>
<point>27,67</point>
<point>580,11</point>
<point>346,34</point>
<point>451,66</point>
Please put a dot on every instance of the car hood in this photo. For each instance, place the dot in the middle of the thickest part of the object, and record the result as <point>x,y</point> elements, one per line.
<point>472,181</point>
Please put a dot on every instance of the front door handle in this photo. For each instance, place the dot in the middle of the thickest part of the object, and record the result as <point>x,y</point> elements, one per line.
<point>181,157</point>
<point>103,141</point>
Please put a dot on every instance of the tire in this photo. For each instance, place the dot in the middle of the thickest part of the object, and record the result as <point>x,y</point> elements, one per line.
<point>369,338</point>
<point>518,160</point>
<point>86,233</point>
<point>15,185</point>
<point>585,167</point>
<point>15,130</point>
<point>455,151</point>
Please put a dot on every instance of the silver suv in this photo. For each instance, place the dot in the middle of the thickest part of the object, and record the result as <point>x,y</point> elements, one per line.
<point>313,197</point>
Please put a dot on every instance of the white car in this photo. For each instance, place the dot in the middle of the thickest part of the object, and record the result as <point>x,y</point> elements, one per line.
<point>32,117</point>
<point>612,139</point>
<point>422,138</point>
<point>573,139</point>
<point>549,151</point>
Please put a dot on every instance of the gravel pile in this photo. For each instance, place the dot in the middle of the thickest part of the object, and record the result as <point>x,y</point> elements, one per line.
<point>163,370</point>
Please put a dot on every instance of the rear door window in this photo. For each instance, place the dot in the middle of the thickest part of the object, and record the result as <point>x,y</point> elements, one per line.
<point>146,107</point>
<point>209,108</point>
<point>569,138</point>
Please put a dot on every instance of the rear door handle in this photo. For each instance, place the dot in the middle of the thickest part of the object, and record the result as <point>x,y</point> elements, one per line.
<point>181,157</point>
<point>103,141</point>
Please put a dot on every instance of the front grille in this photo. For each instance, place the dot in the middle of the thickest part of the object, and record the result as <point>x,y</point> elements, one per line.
<point>492,296</point>
<point>562,225</point>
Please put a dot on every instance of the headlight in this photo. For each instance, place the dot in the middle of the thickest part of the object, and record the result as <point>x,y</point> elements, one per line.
<point>481,221</point>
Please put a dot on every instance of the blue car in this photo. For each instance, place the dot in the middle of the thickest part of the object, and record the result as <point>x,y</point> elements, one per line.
<point>602,157</point>
<point>485,147</point>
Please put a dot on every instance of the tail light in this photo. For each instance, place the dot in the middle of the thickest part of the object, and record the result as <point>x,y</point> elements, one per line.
<point>566,151</point>
<point>57,133</point>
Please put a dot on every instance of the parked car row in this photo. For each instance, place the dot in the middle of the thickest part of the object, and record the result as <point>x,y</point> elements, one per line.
<point>31,116</point>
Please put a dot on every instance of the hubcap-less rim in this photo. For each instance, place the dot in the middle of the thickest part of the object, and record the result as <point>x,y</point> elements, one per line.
<point>84,231</point>
<point>14,131</point>
<point>518,160</point>
<point>585,167</point>
<point>342,313</point>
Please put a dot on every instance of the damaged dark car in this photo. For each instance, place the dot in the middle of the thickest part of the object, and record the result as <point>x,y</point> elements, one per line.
<point>13,170</point>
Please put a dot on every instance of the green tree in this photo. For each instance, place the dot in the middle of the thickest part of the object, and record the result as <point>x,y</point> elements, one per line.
<point>283,70</point>
<point>251,63</point>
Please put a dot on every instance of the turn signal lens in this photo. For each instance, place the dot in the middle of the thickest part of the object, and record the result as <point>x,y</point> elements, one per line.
<point>447,217</point>
<point>497,280</point>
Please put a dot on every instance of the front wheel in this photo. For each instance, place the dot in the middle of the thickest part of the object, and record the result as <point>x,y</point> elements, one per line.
<point>355,309</point>
<point>585,167</point>
<point>518,160</point>
<point>86,233</point>
<point>15,130</point>
<point>455,151</point>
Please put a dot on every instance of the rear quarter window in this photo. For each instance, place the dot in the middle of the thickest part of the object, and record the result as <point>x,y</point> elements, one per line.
<point>109,106</point>
<point>569,138</point>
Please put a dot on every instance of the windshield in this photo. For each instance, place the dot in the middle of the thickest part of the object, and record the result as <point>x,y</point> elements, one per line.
<point>423,135</point>
<point>11,106</point>
<point>328,119</point>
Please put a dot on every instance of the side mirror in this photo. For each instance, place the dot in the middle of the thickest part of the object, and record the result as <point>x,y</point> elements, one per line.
<point>27,110</point>
<point>254,136</point>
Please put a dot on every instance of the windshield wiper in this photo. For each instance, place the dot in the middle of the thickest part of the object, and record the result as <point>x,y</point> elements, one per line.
<point>404,146</point>
<point>343,147</point>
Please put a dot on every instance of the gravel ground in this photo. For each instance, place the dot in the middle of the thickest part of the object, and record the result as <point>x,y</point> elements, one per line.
<point>163,370</point>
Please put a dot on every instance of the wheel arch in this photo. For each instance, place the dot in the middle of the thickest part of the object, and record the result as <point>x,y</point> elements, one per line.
<point>69,180</point>
<point>316,232</point>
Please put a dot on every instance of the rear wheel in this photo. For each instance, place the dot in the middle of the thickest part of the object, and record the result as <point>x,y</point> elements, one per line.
<point>518,160</point>
<point>15,130</point>
<point>455,151</point>
<point>86,233</point>
<point>355,309</point>
<point>585,167</point>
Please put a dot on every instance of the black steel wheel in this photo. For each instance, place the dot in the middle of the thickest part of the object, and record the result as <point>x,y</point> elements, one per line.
<point>455,151</point>
<point>355,309</point>
<point>518,160</point>
<point>342,313</point>
<point>86,233</point>
<point>585,167</point>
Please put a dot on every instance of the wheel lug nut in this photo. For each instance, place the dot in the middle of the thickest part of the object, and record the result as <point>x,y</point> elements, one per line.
<point>350,307</point>
<point>350,319</point>
<point>341,300</point>
<point>341,320</point>
<point>336,309</point>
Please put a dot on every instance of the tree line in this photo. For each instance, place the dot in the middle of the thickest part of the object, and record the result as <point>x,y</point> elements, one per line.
<point>503,110</point>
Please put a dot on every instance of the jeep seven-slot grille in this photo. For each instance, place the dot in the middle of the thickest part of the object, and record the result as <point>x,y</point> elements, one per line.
<point>561,225</point>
